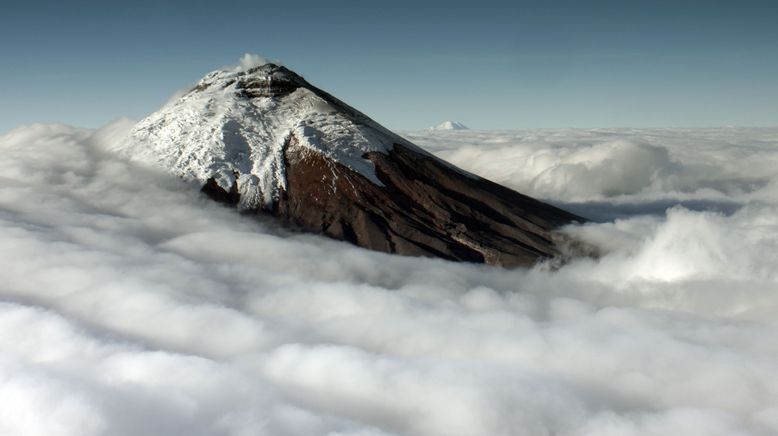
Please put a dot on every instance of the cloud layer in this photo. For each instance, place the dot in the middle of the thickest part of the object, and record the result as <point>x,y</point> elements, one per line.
<point>131,305</point>
<point>652,168</point>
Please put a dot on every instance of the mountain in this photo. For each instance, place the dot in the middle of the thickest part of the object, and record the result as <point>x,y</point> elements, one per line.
<point>265,140</point>
<point>449,125</point>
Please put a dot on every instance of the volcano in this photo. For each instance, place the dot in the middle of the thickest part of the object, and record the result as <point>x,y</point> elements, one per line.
<point>266,141</point>
<point>449,125</point>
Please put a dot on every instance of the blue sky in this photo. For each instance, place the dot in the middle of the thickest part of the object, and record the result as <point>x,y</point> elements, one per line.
<point>407,65</point>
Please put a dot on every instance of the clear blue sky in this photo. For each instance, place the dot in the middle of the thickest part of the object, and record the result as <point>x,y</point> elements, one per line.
<point>405,63</point>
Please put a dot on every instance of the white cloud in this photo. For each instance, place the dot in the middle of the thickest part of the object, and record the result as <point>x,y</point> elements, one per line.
<point>131,305</point>
<point>250,60</point>
<point>617,165</point>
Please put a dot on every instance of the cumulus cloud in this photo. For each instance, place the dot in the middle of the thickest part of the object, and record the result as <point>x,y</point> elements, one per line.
<point>132,305</point>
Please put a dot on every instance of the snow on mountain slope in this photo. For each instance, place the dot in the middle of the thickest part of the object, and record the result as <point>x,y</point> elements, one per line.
<point>213,132</point>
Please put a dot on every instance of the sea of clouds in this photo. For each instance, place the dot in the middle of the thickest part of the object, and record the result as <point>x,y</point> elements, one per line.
<point>132,305</point>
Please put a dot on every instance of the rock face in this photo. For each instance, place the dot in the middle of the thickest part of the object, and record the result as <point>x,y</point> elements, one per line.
<point>266,140</point>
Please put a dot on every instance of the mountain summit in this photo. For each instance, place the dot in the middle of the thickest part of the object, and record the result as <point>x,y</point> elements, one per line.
<point>449,125</point>
<point>264,139</point>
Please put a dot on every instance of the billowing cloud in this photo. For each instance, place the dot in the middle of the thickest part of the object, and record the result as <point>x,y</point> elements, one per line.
<point>251,60</point>
<point>129,304</point>
<point>652,168</point>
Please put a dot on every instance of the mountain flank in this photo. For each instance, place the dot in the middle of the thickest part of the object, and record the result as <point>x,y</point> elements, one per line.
<point>265,140</point>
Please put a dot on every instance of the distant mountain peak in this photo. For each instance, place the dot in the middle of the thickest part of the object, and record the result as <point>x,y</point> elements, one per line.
<point>264,139</point>
<point>449,125</point>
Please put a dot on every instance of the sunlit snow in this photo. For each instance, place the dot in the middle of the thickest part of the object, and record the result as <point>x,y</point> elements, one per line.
<point>213,131</point>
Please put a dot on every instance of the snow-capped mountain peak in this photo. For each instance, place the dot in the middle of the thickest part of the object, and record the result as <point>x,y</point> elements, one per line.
<point>232,127</point>
<point>261,137</point>
<point>449,125</point>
